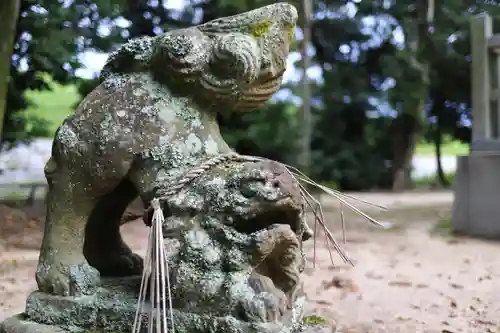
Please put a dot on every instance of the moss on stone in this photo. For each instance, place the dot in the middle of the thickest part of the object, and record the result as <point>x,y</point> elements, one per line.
<point>291,31</point>
<point>315,320</point>
<point>260,29</point>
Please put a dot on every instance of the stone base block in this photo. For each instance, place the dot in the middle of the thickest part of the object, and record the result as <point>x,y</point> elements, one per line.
<point>318,329</point>
<point>113,307</point>
<point>20,324</point>
<point>476,208</point>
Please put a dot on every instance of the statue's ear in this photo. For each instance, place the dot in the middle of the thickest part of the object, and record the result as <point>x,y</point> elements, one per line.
<point>133,56</point>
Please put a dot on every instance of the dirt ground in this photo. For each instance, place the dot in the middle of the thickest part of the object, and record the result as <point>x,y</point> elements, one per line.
<point>408,278</point>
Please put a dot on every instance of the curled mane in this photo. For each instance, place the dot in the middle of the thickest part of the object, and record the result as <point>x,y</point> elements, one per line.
<point>133,56</point>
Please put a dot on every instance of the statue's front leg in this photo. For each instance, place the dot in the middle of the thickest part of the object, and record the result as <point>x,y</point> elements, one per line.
<point>62,268</point>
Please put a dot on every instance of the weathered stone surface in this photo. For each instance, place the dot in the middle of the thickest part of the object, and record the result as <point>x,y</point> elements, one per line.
<point>233,234</point>
<point>112,309</point>
<point>319,329</point>
<point>231,251</point>
<point>22,324</point>
<point>60,310</point>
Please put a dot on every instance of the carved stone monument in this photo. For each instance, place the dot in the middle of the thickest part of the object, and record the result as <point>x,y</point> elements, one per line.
<point>233,235</point>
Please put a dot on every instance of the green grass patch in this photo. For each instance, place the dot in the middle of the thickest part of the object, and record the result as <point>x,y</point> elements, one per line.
<point>433,180</point>
<point>14,196</point>
<point>443,227</point>
<point>449,148</point>
<point>52,105</point>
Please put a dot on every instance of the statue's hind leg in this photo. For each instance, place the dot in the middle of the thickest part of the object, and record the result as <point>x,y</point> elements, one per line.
<point>69,205</point>
<point>104,247</point>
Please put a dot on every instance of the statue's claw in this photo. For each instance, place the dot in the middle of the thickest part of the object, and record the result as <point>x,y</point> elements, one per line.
<point>67,280</point>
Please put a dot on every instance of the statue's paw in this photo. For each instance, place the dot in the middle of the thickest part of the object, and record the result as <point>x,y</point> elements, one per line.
<point>67,279</point>
<point>83,279</point>
<point>121,264</point>
<point>266,307</point>
<point>52,280</point>
<point>270,303</point>
<point>279,305</point>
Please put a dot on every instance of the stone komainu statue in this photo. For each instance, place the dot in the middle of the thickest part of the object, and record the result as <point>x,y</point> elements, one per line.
<point>152,118</point>
<point>150,121</point>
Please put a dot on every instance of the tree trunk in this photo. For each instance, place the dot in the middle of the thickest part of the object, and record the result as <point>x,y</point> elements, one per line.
<point>414,111</point>
<point>405,130</point>
<point>438,136</point>
<point>304,116</point>
<point>9,13</point>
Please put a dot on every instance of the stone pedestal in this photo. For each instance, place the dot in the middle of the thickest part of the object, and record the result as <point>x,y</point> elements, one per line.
<point>476,209</point>
<point>113,307</point>
<point>19,324</point>
<point>319,329</point>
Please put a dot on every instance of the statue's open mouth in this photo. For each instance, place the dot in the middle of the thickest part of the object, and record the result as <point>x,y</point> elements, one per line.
<point>284,211</point>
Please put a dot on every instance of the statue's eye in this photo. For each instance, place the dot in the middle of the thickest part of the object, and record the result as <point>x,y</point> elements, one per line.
<point>178,46</point>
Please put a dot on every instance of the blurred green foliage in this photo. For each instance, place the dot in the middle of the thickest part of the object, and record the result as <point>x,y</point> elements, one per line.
<point>367,100</point>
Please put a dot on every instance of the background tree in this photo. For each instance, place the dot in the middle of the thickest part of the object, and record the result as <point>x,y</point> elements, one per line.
<point>9,11</point>
<point>49,36</point>
<point>413,64</point>
<point>389,77</point>
<point>305,116</point>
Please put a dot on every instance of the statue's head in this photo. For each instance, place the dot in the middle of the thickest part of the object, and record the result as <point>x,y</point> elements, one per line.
<point>234,63</point>
<point>247,196</point>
